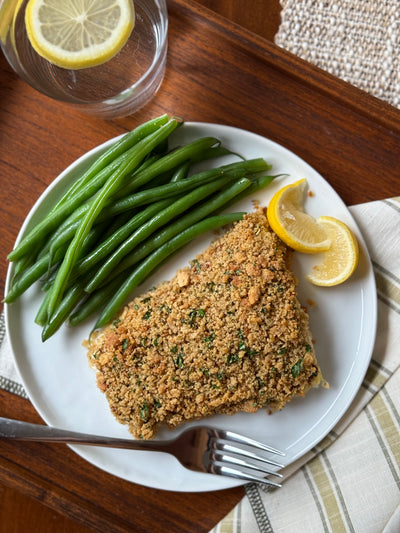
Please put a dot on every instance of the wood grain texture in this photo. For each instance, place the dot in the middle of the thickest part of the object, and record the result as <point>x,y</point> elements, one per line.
<point>218,72</point>
<point>259,16</point>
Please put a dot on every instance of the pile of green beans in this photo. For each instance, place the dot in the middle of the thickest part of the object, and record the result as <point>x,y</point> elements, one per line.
<point>136,205</point>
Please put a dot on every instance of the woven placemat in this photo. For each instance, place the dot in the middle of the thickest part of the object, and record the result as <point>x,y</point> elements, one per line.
<point>355,40</point>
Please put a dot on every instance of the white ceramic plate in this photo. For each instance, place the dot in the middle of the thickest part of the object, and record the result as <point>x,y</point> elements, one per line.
<point>62,387</point>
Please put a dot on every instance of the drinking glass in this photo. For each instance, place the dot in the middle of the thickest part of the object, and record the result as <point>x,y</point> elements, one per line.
<point>117,88</point>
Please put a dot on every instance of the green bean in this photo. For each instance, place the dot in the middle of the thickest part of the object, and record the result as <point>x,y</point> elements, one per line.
<point>101,177</point>
<point>143,148</point>
<point>42,315</point>
<point>168,162</point>
<point>181,172</point>
<point>91,240</point>
<point>216,151</point>
<point>261,182</point>
<point>32,274</point>
<point>115,223</point>
<point>257,185</point>
<point>66,231</point>
<point>69,301</point>
<point>143,270</point>
<point>161,179</point>
<point>234,170</point>
<point>95,301</point>
<point>20,266</point>
<point>84,193</point>
<point>117,237</point>
<point>210,206</point>
<point>63,235</point>
<point>196,151</point>
<point>113,152</point>
<point>160,219</point>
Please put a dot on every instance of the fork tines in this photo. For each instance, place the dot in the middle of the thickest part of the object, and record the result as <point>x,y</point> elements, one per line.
<point>225,457</point>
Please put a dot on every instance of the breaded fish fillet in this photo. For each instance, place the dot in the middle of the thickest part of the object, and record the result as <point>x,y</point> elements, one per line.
<point>226,334</point>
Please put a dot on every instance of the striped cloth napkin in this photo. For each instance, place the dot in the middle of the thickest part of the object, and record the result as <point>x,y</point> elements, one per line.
<point>350,482</point>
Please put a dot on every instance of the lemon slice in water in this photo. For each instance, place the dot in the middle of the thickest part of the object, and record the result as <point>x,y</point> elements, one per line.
<point>77,34</point>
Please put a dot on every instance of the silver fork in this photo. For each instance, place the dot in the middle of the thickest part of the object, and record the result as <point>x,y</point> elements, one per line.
<point>200,448</point>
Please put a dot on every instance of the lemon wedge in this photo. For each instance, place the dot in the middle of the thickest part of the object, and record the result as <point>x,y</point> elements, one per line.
<point>294,227</point>
<point>340,261</point>
<point>76,34</point>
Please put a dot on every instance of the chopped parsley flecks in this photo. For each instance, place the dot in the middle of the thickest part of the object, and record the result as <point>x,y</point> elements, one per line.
<point>211,286</point>
<point>209,339</point>
<point>297,367</point>
<point>232,358</point>
<point>260,382</point>
<point>196,265</point>
<point>192,317</point>
<point>144,411</point>
<point>147,314</point>
<point>125,344</point>
<point>179,363</point>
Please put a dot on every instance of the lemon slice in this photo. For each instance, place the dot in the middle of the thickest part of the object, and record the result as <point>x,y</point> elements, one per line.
<point>77,34</point>
<point>8,11</point>
<point>340,261</point>
<point>287,218</point>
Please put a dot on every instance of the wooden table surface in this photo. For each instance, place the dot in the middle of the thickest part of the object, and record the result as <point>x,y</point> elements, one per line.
<point>217,72</point>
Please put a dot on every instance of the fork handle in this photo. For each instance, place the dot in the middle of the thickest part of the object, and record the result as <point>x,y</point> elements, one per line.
<point>15,429</point>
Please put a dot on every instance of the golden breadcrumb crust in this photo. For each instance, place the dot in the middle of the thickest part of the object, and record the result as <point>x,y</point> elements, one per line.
<point>226,334</point>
